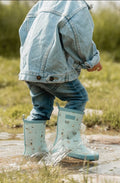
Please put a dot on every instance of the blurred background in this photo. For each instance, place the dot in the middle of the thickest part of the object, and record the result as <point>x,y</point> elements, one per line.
<point>106,15</point>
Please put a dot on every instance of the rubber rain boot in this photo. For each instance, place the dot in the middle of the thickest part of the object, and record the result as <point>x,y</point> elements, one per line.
<point>34,137</point>
<point>68,135</point>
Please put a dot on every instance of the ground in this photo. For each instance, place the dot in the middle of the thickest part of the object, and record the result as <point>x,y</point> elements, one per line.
<point>107,168</point>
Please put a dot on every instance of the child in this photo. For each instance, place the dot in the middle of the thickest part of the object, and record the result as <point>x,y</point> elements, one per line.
<point>56,43</point>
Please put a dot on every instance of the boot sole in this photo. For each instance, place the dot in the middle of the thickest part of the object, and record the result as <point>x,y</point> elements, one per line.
<point>83,157</point>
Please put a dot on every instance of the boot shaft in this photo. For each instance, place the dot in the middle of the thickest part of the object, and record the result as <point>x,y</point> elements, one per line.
<point>68,136</point>
<point>69,122</point>
<point>34,136</point>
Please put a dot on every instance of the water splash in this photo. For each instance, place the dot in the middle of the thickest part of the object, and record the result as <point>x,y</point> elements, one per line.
<point>52,158</point>
<point>58,152</point>
<point>83,128</point>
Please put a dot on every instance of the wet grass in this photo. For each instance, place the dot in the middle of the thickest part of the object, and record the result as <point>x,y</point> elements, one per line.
<point>103,89</point>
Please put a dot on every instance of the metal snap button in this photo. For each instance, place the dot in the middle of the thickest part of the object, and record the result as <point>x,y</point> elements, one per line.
<point>51,78</point>
<point>38,77</point>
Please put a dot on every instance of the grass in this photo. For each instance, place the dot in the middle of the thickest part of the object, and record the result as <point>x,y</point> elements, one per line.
<point>104,93</point>
<point>103,89</point>
<point>39,175</point>
<point>46,174</point>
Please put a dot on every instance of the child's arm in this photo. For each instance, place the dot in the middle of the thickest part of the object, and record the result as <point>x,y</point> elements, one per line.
<point>77,40</point>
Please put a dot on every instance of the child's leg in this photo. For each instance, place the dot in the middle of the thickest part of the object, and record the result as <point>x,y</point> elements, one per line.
<point>77,97</point>
<point>42,103</point>
<point>73,92</point>
<point>69,120</point>
<point>34,125</point>
<point>43,96</point>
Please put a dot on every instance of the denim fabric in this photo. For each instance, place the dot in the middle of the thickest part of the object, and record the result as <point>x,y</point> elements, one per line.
<point>43,96</point>
<point>56,42</point>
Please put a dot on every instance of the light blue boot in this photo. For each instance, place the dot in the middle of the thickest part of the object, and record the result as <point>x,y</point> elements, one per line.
<point>34,137</point>
<point>68,135</point>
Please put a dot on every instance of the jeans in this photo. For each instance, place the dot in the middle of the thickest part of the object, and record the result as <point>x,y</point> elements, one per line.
<point>43,96</point>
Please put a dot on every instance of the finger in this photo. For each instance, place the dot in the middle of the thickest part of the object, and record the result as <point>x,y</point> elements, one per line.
<point>90,70</point>
<point>99,68</point>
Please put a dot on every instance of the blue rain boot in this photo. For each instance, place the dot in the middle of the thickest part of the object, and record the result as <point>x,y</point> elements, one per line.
<point>34,138</point>
<point>68,135</point>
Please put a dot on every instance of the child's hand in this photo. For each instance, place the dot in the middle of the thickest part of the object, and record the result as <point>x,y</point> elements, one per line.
<point>97,67</point>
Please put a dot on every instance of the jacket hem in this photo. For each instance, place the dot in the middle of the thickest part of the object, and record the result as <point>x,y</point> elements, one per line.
<point>58,78</point>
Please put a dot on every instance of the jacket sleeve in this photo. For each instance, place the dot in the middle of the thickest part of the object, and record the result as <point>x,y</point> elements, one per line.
<point>77,39</point>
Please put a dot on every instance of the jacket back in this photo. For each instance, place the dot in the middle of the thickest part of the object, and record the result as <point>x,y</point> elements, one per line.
<point>56,41</point>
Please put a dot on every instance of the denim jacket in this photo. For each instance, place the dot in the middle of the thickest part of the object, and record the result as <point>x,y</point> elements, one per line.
<point>56,41</point>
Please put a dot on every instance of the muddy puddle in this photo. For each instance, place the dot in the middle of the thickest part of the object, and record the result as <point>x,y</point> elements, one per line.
<point>108,166</point>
